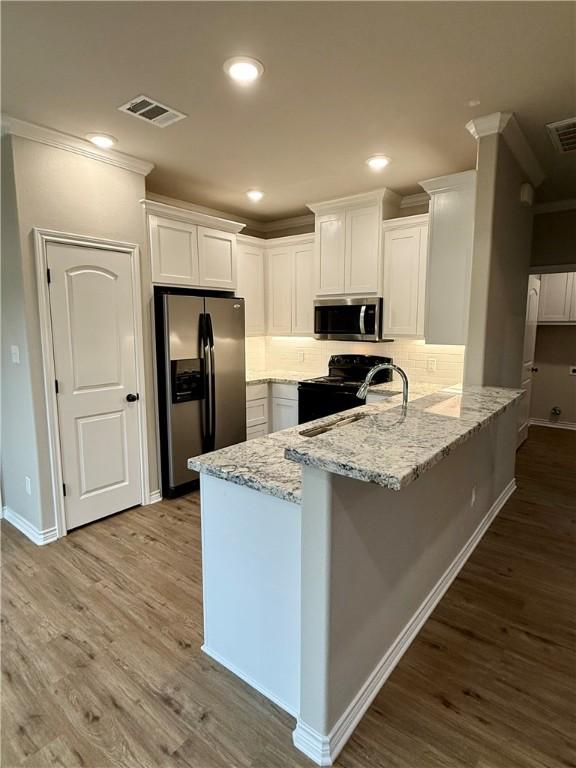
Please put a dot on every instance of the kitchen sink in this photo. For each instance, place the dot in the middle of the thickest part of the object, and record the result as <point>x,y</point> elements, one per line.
<point>341,421</point>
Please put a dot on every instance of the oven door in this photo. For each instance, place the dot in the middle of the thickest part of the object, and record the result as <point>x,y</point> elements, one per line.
<point>315,402</point>
<point>353,319</point>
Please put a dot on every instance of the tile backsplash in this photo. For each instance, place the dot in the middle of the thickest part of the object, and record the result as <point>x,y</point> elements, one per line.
<point>427,363</point>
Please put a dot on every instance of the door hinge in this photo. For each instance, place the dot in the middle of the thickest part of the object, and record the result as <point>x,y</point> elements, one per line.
<point>64,489</point>
<point>48,278</point>
<point>56,385</point>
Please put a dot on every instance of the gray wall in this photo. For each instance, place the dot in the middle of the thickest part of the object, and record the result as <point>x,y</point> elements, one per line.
<point>63,191</point>
<point>501,262</point>
<point>554,239</point>
<point>553,385</point>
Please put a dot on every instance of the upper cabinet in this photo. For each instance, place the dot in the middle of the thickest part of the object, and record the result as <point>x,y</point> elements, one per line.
<point>405,262</point>
<point>251,284</point>
<point>290,285</point>
<point>451,233</point>
<point>557,298</point>
<point>349,243</point>
<point>191,249</point>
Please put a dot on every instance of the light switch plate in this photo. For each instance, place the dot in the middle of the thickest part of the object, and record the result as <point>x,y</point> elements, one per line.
<point>15,354</point>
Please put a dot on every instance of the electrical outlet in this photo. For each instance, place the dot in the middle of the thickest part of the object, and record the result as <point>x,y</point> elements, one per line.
<point>431,363</point>
<point>15,354</point>
<point>573,370</point>
<point>28,483</point>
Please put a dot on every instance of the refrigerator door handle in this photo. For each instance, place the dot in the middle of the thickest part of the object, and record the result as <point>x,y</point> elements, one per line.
<point>212,385</point>
<point>205,362</point>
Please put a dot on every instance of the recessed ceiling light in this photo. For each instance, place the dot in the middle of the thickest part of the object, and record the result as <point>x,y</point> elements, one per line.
<point>243,70</point>
<point>378,162</point>
<point>255,195</point>
<point>101,140</point>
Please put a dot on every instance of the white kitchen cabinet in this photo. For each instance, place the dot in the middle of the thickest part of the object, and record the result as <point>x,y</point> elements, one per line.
<point>290,286</point>
<point>362,255</point>
<point>217,258</point>
<point>303,290</point>
<point>331,247</point>
<point>174,251</point>
<point>448,276</point>
<point>250,286</point>
<point>557,298</point>
<point>280,289</point>
<point>261,430</point>
<point>192,249</point>
<point>404,290</point>
<point>284,413</point>
<point>349,244</point>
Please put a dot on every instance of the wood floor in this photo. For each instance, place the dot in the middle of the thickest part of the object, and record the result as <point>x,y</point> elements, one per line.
<point>101,660</point>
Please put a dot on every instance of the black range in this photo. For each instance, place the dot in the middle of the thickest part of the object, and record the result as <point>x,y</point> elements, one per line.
<point>337,391</point>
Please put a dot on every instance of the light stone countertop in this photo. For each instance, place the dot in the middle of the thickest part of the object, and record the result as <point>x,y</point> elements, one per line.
<point>385,447</point>
<point>278,377</point>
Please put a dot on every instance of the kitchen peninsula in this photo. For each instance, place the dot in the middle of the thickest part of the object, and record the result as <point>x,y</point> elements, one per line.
<point>324,555</point>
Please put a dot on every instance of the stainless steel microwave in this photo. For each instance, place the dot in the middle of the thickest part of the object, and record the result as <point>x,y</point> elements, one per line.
<point>348,319</point>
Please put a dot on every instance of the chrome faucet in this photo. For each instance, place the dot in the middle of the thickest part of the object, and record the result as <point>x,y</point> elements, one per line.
<point>363,391</point>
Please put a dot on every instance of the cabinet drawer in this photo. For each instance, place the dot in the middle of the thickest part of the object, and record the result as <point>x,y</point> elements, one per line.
<point>261,430</point>
<point>256,391</point>
<point>286,391</point>
<point>256,412</point>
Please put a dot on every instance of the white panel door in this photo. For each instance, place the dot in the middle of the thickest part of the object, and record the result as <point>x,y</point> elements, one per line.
<point>280,285</point>
<point>251,288</point>
<point>362,250</point>
<point>174,252</point>
<point>330,249</point>
<point>217,256</point>
<point>555,298</point>
<point>404,281</point>
<point>93,329</point>
<point>534,292</point>
<point>303,291</point>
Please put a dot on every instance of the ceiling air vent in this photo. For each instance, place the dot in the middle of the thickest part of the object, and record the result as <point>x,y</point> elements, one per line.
<point>152,111</point>
<point>563,135</point>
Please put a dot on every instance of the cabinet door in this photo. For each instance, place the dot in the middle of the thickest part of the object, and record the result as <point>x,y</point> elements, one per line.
<point>256,412</point>
<point>303,290</point>
<point>174,251</point>
<point>330,247</point>
<point>251,287</point>
<point>404,276</point>
<point>362,250</point>
<point>555,298</point>
<point>280,269</point>
<point>217,257</point>
<point>284,413</point>
<point>573,305</point>
<point>261,430</point>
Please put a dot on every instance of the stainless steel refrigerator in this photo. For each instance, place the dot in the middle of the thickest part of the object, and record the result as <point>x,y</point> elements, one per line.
<point>201,379</point>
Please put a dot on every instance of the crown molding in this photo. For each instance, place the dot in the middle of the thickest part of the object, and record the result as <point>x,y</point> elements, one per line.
<point>451,181</point>
<point>352,201</point>
<point>556,205</point>
<point>403,222</point>
<point>52,138</point>
<point>411,201</point>
<point>191,217</point>
<point>506,124</point>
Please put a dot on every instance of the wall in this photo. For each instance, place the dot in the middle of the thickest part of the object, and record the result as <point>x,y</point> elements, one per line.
<point>19,444</point>
<point>501,260</point>
<point>553,385</point>
<point>554,239</point>
<point>63,191</point>
<point>284,353</point>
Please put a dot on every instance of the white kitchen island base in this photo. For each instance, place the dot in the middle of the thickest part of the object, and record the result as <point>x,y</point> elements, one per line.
<point>315,603</point>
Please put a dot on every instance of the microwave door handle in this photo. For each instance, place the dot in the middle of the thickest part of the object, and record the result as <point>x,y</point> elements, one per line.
<point>362,320</point>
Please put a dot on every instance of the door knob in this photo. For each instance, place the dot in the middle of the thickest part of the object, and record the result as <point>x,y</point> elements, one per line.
<point>534,370</point>
<point>132,398</point>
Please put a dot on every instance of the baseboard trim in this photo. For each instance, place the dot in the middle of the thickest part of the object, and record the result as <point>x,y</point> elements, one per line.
<point>154,496</point>
<point>554,424</point>
<point>251,682</point>
<point>324,750</point>
<point>30,531</point>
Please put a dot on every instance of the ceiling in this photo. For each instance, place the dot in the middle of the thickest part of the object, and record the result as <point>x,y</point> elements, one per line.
<point>342,81</point>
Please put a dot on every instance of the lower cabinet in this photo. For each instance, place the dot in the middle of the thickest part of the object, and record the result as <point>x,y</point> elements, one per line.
<point>284,413</point>
<point>270,408</point>
<point>260,430</point>
<point>256,410</point>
